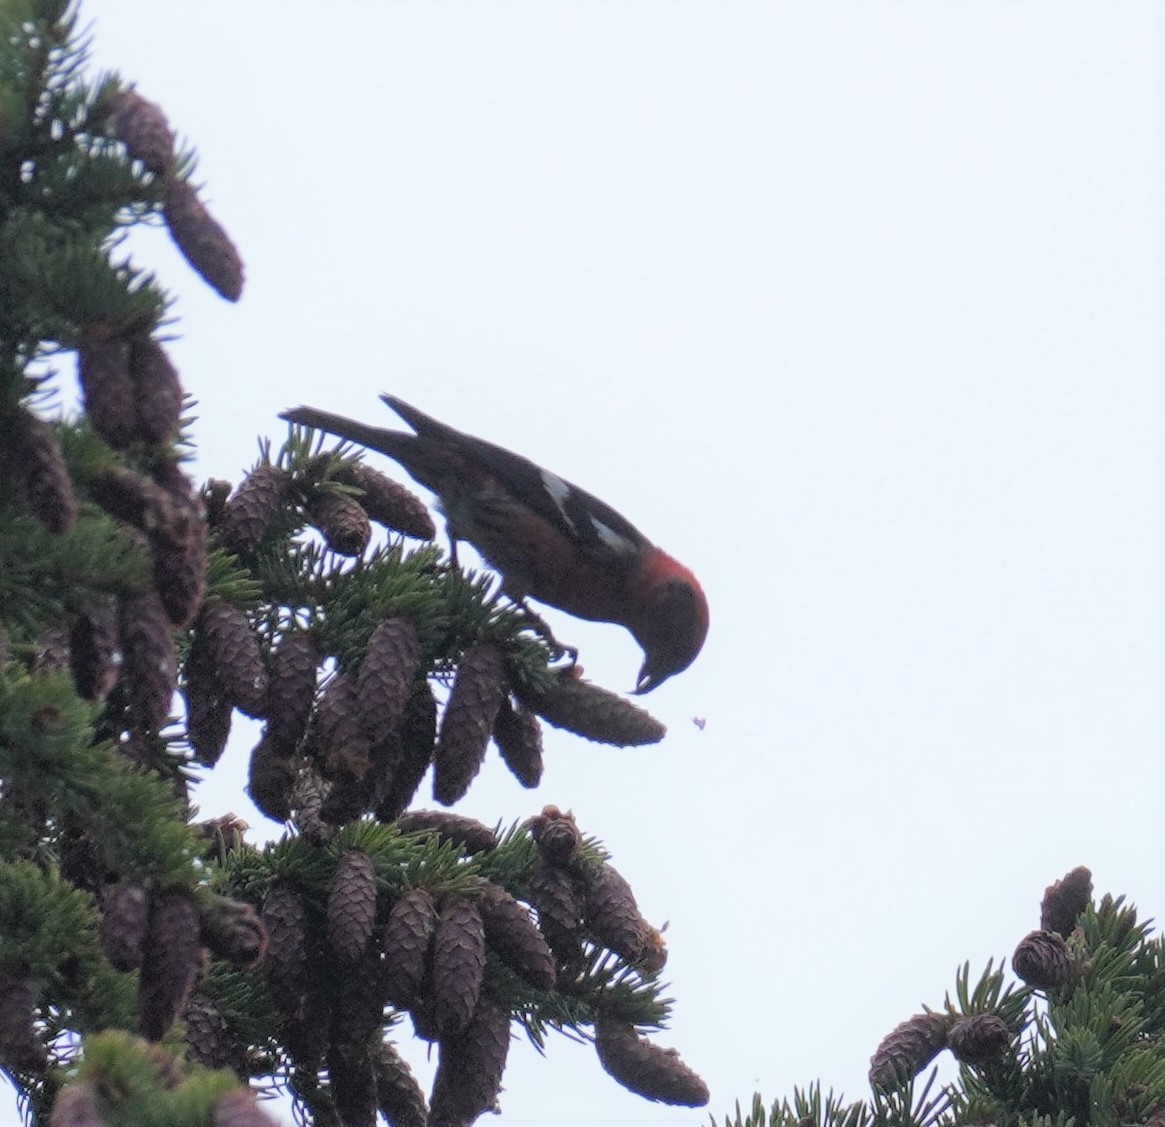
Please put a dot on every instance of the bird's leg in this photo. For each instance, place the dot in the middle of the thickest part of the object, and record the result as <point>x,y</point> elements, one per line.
<point>540,627</point>
<point>452,543</point>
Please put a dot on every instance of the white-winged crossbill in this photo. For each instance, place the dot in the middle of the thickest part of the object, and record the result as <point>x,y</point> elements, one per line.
<point>549,539</point>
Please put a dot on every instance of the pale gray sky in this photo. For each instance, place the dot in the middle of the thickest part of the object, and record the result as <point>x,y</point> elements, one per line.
<point>853,307</point>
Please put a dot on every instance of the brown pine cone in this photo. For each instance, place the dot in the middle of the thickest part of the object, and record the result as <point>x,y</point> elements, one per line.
<point>514,937</point>
<point>352,1084</point>
<point>21,1049</point>
<point>290,690</point>
<point>285,918</point>
<point>241,1109</point>
<point>209,1040</point>
<point>470,1066</point>
<point>341,521</point>
<point>559,905</point>
<point>159,393</point>
<point>149,668</point>
<point>208,711</point>
<point>557,836</point>
<point>418,732</point>
<point>398,1095</point>
<point>271,782</point>
<point>139,501</point>
<point>76,1105</point>
<point>611,913</point>
<point>338,743</point>
<point>470,834</point>
<point>978,1038</point>
<point>141,126</point>
<point>1065,901</point>
<point>233,647</point>
<point>179,550</point>
<point>519,738</point>
<point>466,726</point>
<point>125,921</point>
<point>110,400</point>
<point>233,931</point>
<point>253,508</point>
<point>35,462</point>
<point>387,674</point>
<point>346,800</point>
<point>94,658</point>
<point>1043,960</point>
<point>594,713</point>
<point>202,241</point>
<point>412,920</point>
<point>387,502</point>
<point>907,1049</point>
<point>643,1068</point>
<point>170,962</point>
<point>458,964</point>
<point>352,906</point>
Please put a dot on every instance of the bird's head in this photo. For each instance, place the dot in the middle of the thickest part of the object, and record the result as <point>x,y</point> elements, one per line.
<point>670,621</point>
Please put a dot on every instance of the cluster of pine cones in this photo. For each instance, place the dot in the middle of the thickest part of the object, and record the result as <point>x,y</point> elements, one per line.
<point>1042,960</point>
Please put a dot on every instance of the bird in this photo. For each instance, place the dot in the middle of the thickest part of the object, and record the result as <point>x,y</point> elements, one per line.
<point>548,539</point>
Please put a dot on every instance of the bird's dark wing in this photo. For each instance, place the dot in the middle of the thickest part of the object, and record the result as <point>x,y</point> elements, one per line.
<point>583,518</point>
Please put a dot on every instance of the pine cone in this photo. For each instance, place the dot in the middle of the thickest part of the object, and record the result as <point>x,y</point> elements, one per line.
<point>141,126</point>
<point>468,721</point>
<point>338,743</point>
<point>458,964</point>
<point>159,393</point>
<point>306,1031</point>
<point>418,731</point>
<point>346,801</point>
<point>352,1084</point>
<point>110,400</point>
<point>1043,960</point>
<point>594,713</point>
<point>94,658</point>
<point>125,921</point>
<point>1065,901</point>
<point>387,674</point>
<point>233,931</point>
<point>149,667</point>
<point>285,918</point>
<point>907,1050</point>
<point>202,241</point>
<point>412,920</point>
<point>76,1105</point>
<point>208,711</point>
<point>387,502</point>
<point>557,836</point>
<point>36,463</point>
<point>234,649</point>
<point>643,1068</point>
<point>978,1038</point>
<point>398,1095</point>
<point>352,906</point>
<point>139,501</point>
<point>209,1040</point>
<point>514,937</point>
<point>559,905</point>
<point>470,1066</point>
<point>519,738</point>
<point>241,1109</point>
<point>179,551</point>
<point>290,691</point>
<point>271,782</point>
<point>470,834</point>
<point>610,911</point>
<point>21,1049</point>
<point>254,507</point>
<point>170,962</point>
<point>341,521</point>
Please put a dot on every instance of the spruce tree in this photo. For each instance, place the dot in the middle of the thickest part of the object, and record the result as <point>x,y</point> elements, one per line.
<point>154,966</point>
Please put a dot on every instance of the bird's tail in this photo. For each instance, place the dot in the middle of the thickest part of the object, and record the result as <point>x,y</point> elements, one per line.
<point>396,444</point>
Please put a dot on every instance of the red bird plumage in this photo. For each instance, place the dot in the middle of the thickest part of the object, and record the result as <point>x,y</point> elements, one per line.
<point>549,539</point>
